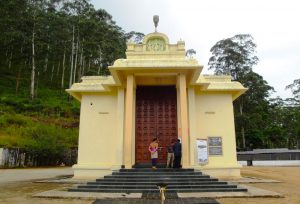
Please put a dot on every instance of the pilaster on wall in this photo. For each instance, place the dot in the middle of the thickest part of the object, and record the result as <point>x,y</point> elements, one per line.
<point>133,125</point>
<point>120,126</point>
<point>184,121</point>
<point>192,124</point>
<point>178,110</point>
<point>129,120</point>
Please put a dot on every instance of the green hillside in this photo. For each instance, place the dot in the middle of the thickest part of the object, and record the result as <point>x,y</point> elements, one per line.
<point>45,47</point>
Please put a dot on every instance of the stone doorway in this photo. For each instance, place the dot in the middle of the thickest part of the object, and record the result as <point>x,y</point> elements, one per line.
<point>156,116</point>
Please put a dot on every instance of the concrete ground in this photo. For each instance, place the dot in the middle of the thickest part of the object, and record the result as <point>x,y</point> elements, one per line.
<point>16,175</point>
<point>289,186</point>
<point>16,185</point>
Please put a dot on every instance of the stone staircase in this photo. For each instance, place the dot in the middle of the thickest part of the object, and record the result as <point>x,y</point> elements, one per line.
<point>146,180</point>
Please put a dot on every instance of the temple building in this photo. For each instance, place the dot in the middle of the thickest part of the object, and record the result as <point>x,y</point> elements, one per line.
<point>156,92</point>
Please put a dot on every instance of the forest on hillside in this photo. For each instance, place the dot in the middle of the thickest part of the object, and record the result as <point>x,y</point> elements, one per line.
<point>47,45</point>
<point>260,121</point>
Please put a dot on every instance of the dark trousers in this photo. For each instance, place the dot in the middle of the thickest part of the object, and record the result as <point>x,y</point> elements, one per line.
<point>177,161</point>
<point>154,161</point>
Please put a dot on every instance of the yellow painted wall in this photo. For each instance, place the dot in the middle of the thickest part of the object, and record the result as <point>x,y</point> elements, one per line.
<point>98,142</point>
<point>214,117</point>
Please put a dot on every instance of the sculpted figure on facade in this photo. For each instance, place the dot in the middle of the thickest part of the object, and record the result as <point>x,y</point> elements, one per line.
<point>156,44</point>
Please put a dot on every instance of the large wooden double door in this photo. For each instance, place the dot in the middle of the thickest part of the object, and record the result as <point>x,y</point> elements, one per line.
<point>156,116</point>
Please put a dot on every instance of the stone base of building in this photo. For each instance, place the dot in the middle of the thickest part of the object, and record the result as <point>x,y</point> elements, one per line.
<point>90,172</point>
<point>222,172</point>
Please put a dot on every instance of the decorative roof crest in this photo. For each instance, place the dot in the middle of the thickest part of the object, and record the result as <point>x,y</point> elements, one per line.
<point>155,20</point>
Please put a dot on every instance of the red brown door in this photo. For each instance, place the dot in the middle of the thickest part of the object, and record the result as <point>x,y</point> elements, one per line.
<point>156,116</point>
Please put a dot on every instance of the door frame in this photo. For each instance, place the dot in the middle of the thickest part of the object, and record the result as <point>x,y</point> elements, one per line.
<point>164,145</point>
<point>129,120</point>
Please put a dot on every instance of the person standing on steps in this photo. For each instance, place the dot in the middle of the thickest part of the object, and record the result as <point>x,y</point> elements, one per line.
<point>177,154</point>
<point>153,148</point>
<point>170,158</point>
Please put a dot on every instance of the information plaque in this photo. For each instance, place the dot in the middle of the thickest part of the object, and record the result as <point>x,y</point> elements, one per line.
<point>215,146</point>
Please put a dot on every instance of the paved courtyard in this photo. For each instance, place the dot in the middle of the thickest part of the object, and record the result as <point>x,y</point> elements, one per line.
<point>16,186</point>
<point>16,175</point>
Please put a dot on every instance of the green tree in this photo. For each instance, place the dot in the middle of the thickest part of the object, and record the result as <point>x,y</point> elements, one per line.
<point>236,57</point>
<point>291,118</point>
<point>252,109</point>
<point>295,88</point>
<point>136,37</point>
<point>233,56</point>
<point>190,53</point>
<point>50,42</point>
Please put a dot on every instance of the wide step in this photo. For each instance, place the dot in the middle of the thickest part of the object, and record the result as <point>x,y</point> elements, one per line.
<point>158,170</point>
<point>155,176</point>
<point>157,179</point>
<point>104,182</point>
<point>157,173</point>
<point>155,187</point>
<point>107,190</point>
<point>146,181</point>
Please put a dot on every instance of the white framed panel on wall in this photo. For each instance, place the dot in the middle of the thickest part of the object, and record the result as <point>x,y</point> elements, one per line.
<point>202,152</point>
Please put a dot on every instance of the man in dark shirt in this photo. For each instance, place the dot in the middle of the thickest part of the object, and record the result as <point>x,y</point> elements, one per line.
<point>177,154</point>
<point>170,158</point>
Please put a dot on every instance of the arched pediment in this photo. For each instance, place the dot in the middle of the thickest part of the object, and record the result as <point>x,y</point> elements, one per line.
<point>156,42</point>
<point>156,35</point>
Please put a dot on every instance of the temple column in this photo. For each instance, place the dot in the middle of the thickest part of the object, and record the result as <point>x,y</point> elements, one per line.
<point>192,124</point>
<point>120,127</point>
<point>184,121</point>
<point>129,110</point>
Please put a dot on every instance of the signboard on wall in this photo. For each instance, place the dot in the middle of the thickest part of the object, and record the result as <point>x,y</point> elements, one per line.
<point>215,146</point>
<point>202,151</point>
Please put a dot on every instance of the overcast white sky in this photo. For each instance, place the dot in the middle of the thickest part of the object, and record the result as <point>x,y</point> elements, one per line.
<point>274,24</point>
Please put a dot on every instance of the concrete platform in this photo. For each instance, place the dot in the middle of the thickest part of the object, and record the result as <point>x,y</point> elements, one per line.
<point>30,174</point>
<point>252,192</point>
<point>63,193</point>
<point>68,179</point>
<point>253,180</point>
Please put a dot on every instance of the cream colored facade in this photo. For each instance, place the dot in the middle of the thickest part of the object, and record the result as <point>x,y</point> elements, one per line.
<point>107,120</point>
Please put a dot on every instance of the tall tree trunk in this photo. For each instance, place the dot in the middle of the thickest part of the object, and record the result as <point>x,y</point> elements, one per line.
<point>33,63</point>
<point>83,67</point>
<point>37,84</point>
<point>10,59</point>
<point>63,69</point>
<point>89,67</point>
<point>6,54</point>
<point>80,64</point>
<point>72,60</point>
<point>58,68</point>
<point>100,58</point>
<point>19,77</point>
<point>242,128</point>
<point>243,137</point>
<point>19,72</point>
<point>46,58</point>
<point>52,70</point>
<point>76,57</point>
